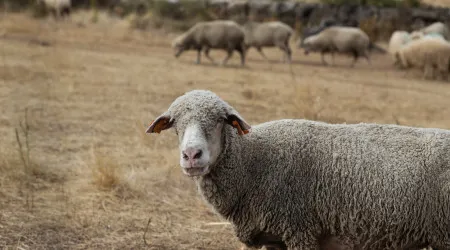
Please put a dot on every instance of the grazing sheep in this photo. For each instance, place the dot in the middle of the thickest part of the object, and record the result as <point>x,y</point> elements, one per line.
<point>437,60</point>
<point>219,34</point>
<point>268,34</point>
<point>417,53</point>
<point>437,27</point>
<point>302,184</point>
<point>59,8</point>
<point>397,40</point>
<point>346,40</point>
<point>419,35</point>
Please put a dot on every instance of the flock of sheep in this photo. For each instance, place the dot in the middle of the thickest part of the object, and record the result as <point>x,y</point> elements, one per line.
<point>300,184</point>
<point>427,48</point>
<point>230,36</point>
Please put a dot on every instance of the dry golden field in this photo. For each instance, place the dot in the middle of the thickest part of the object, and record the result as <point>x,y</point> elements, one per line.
<point>89,178</point>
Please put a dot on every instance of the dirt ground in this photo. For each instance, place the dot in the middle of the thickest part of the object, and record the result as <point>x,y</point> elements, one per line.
<point>88,177</point>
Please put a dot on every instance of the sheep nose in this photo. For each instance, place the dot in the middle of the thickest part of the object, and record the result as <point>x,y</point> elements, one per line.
<point>192,153</point>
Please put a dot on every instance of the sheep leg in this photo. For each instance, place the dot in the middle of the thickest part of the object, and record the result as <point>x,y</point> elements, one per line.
<point>262,53</point>
<point>355,59</point>
<point>199,51</point>
<point>333,62</point>
<point>229,54</point>
<point>322,56</point>
<point>287,52</point>
<point>206,50</point>
<point>367,59</point>
<point>242,52</point>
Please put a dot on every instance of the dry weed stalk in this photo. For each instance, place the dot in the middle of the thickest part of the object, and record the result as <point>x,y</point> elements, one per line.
<point>24,153</point>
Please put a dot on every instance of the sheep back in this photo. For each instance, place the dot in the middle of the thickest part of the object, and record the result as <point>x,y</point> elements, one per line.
<point>437,27</point>
<point>341,39</point>
<point>266,34</point>
<point>216,34</point>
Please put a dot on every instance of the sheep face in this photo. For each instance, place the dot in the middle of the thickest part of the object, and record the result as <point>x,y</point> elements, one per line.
<point>199,118</point>
<point>179,46</point>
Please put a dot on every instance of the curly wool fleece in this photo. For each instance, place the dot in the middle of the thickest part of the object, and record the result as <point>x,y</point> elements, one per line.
<point>304,183</point>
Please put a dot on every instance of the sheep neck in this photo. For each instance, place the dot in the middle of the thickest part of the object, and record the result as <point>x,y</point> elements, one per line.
<point>220,188</point>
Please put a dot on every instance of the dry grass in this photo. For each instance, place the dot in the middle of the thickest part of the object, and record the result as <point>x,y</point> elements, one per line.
<point>97,178</point>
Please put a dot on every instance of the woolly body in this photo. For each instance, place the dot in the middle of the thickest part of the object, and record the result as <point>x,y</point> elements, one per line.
<point>225,35</point>
<point>398,39</point>
<point>438,60</point>
<point>268,34</point>
<point>437,27</point>
<point>419,53</point>
<point>58,7</point>
<point>304,183</point>
<point>346,40</point>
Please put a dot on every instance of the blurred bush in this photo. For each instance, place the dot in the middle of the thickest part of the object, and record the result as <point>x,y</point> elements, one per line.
<point>379,3</point>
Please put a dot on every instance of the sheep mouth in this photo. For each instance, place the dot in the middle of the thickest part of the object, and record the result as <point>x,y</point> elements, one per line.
<point>195,171</point>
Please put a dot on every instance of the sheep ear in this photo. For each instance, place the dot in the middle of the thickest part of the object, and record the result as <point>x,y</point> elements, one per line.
<point>238,123</point>
<point>161,123</point>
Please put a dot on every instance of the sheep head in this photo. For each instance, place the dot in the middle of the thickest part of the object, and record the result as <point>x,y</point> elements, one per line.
<point>199,118</point>
<point>178,45</point>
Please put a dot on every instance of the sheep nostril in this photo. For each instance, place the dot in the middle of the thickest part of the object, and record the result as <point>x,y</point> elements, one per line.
<point>198,155</point>
<point>185,156</point>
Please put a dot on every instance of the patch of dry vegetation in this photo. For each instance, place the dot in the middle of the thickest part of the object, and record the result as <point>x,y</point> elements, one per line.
<point>90,178</point>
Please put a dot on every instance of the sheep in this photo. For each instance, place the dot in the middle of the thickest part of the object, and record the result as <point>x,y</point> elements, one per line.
<point>346,40</point>
<point>303,184</point>
<point>437,27</point>
<point>418,53</point>
<point>59,8</point>
<point>437,59</point>
<point>415,35</point>
<point>397,40</point>
<point>268,34</point>
<point>219,34</point>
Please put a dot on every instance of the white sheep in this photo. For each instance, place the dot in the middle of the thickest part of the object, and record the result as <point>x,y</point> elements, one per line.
<point>397,40</point>
<point>59,8</point>
<point>268,34</point>
<point>219,34</point>
<point>437,27</point>
<point>302,184</point>
<point>340,39</point>
<point>419,54</point>
<point>437,61</point>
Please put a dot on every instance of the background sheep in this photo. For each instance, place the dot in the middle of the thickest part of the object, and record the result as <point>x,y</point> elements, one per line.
<point>268,34</point>
<point>226,35</point>
<point>417,52</point>
<point>419,35</point>
<point>437,61</point>
<point>346,40</point>
<point>396,42</point>
<point>437,27</point>
<point>308,184</point>
<point>59,8</point>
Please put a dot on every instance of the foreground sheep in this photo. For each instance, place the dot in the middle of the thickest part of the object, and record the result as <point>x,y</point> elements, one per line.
<point>59,8</point>
<point>226,35</point>
<point>304,185</point>
<point>345,40</point>
<point>268,34</point>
